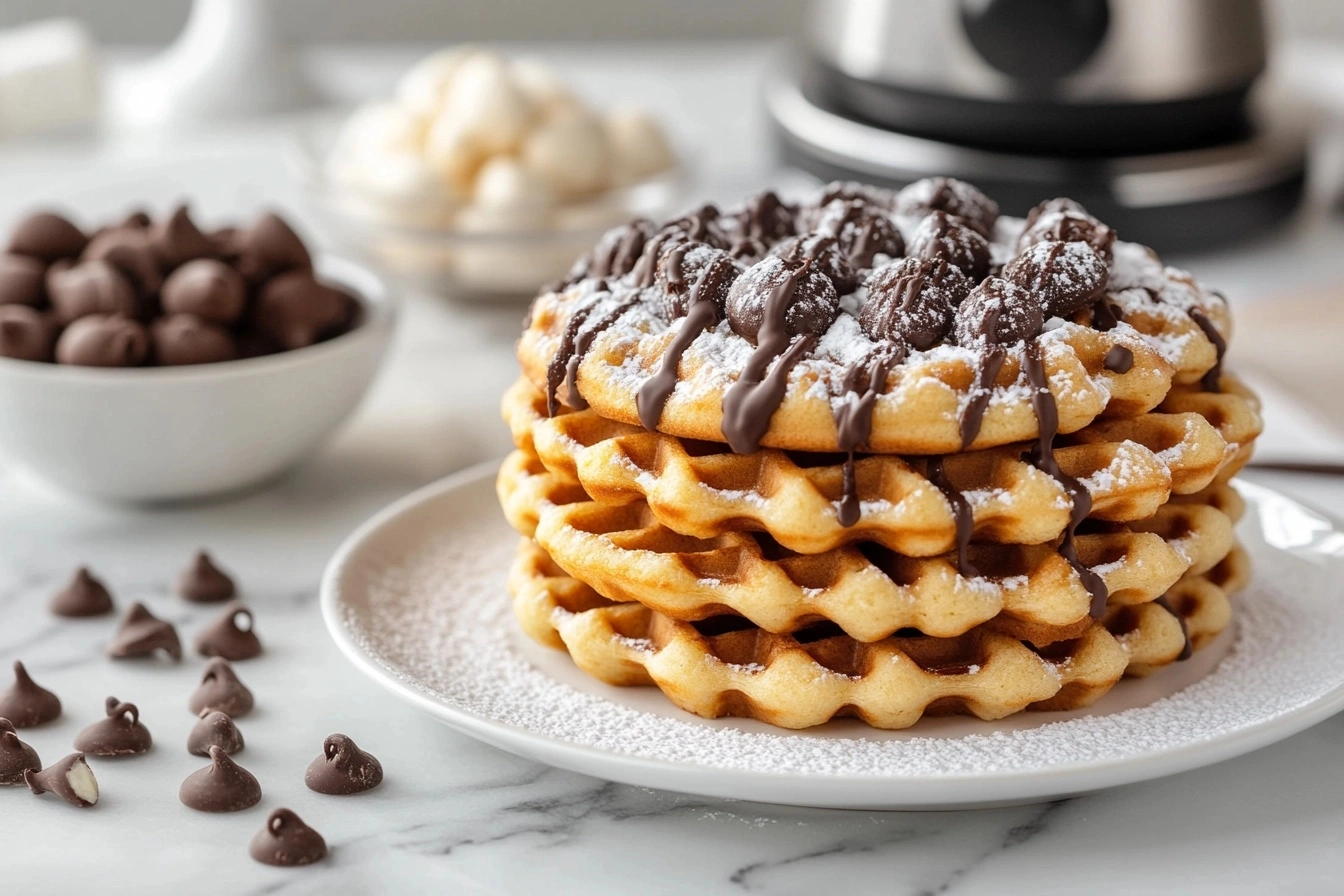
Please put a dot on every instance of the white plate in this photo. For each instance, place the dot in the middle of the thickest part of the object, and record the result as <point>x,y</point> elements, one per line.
<point>416,599</point>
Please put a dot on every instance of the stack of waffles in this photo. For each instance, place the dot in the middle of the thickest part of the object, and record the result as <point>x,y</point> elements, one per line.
<point>875,454</point>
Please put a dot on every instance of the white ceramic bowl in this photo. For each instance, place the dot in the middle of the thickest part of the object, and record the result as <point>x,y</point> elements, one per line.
<point>172,433</point>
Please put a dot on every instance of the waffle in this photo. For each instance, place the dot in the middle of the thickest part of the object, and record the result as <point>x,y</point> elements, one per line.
<point>1130,467</point>
<point>722,667</point>
<point>1026,592</point>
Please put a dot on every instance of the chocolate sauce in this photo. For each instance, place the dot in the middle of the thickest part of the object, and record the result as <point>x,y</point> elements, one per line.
<point>1119,359</point>
<point>555,371</point>
<point>701,313</point>
<point>1047,413</point>
<point>1188,649</point>
<point>864,381</point>
<point>581,345</point>
<point>973,415</point>
<point>1105,316</point>
<point>1212,380</point>
<point>961,511</point>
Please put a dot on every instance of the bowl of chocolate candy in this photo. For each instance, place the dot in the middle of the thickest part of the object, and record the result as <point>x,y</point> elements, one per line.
<point>151,360</point>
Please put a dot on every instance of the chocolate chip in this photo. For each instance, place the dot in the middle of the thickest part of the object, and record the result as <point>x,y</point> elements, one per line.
<point>943,237</point>
<point>47,237</point>
<point>222,786</point>
<point>16,757</point>
<point>955,197</point>
<point>90,287</point>
<point>22,281</point>
<point>997,312</point>
<point>827,257</point>
<point>1064,220</point>
<point>214,729</point>
<point>286,841</point>
<point>181,339</point>
<point>26,334</point>
<point>694,267</point>
<point>26,703</point>
<point>914,300</point>
<point>71,779</point>
<point>343,768</point>
<point>294,310</point>
<point>83,596</point>
<point>230,636</point>
<point>177,239</point>
<point>271,247</point>
<point>863,231</point>
<point>103,340</point>
<point>129,250</point>
<point>203,582</point>
<point>810,301</point>
<point>141,633</point>
<point>221,690</point>
<point>1119,360</point>
<point>120,734</point>
<point>1064,277</point>
<point>137,218</point>
<point>207,288</point>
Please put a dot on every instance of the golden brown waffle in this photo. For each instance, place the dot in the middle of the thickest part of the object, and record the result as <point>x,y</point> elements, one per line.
<point>1028,592</point>
<point>1130,467</point>
<point>723,668</point>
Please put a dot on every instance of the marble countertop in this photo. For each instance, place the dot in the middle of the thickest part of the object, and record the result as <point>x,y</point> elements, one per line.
<point>455,815</point>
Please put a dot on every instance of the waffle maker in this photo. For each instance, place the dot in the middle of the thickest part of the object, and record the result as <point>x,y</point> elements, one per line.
<point>1146,111</point>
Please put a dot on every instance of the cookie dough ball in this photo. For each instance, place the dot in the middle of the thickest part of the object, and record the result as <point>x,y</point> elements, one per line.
<point>26,334</point>
<point>103,340</point>
<point>487,105</point>
<point>206,288</point>
<point>639,147</point>
<point>569,151</point>
<point>454,156</point>
<point>543,86</point>
<point>505,184</point>
<point>421,89</point>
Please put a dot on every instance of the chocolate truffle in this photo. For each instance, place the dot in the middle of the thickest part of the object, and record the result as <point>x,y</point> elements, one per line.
<point>221,690</point>
<point>287,842</point>
<point>103,340</point>
<point>141,633</point>
<point>694,267</point>
<point>913,300</point>
<point>343,768</point>
<point>22,280</point>
<point>1066,221</point>
<point>998,312</point>
<point>863,230</point>
<point>16,757</point>
<point>71,779</point>
<point>222,786</point>
<point>129,250</point>
<point>207,288</point>
<point>26,334</point>
<point>1065,277</point>
<point>767,217</point>
<point>181,339</point>
<point>90,287</point>
<point>955,197</point>
<point>941,237</point>
<point>214,729</point>
<point>83,596</point>
<point>47,236</point>
<point>808,296</point>
<point>203,582</point>
<point>271,247</point>
<point>293,310</point>
<point>26,703</point>
<point>231,636</point>
<point>824,253</point>
<point>120,734</point>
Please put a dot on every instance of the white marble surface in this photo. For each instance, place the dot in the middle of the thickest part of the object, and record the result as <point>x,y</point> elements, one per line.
<point>454,815</point>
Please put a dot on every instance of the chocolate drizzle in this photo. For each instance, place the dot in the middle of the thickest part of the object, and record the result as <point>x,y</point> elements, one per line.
<point>701,313</point>
<point>961,512</point>
<point>1188,649</point>
<point>973,415</point>
<point>559,366</point>
<point>1212,381</point>
<point>864,381</point>
<point>1047,413</point>
<point>1105,316</point>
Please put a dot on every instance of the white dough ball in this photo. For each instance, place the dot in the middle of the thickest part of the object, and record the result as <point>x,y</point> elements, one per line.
<point>454,155</point>
<point>484,101</point>
<point>421,89</point>
<point>570,152</point>
<point>378,128</point>
<point>638,144</point>
<point>503,183</point>
<point>542,85</point>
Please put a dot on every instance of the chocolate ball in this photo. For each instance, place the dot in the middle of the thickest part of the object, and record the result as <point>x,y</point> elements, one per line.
<point>694,267</point>
<point>941,236</point>
<point>1066,221</point>
<point>26,333</point>
<point>207,288</point>
<point>852,190</point>
<point>997,312</point>
<point>863,230</point>
<point>47,236</point>
<point>271,247</point>
<point>187,339</point>
<point>177,239</point>
<point>90,287</point>
<point>767,217</point>
<point>618,250</point>
<point>809,297</point>
<point>1064,277</point>
<point>955,197</point>
<point>103,340</point>
<point>21,280</point>
<point>826,256</point>
<point>128,249</point>
<point>294,310</point>
<point>914,300</point>
<point>702,226</point>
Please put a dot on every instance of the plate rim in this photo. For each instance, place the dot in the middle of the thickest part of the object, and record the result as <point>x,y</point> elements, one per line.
<point>908,792</point>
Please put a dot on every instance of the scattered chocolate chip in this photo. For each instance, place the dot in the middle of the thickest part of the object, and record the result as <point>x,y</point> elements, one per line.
<point>137,218</point>
<point>27,703</point>
<point>83,596</point>
<point>690,266</point>
<point>343,768</point>
<point>1119,359</point>
<point>286,841</point>
<point>16,757</point>
<point>826,254</point>
<point>271,247</point>
<point>90,287</point>
<point>863,231</point>
<point>811,302</point>
<point>294,310</point>
<point>47,237</point>
<point>222,786</point>
<point>176,239</point>
<point>955,197</point>
<point>120,734</point>
<point>141,633</point>
<point>913,299</point>
<point>1064,277</point>
<point>231,636</point>
<point>26,334</point>
<point>215,729</point>
<point>181,339</point>
<point>1066,221</point>
<point>71,779</point>
<point>103,340</point>
<point>128,249</point>
<point>997,312</point>
<point>943,237</point>
<point>22,280</point>
<point>207,288</point>
<point>220,689</point>
<point>203,582</point>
